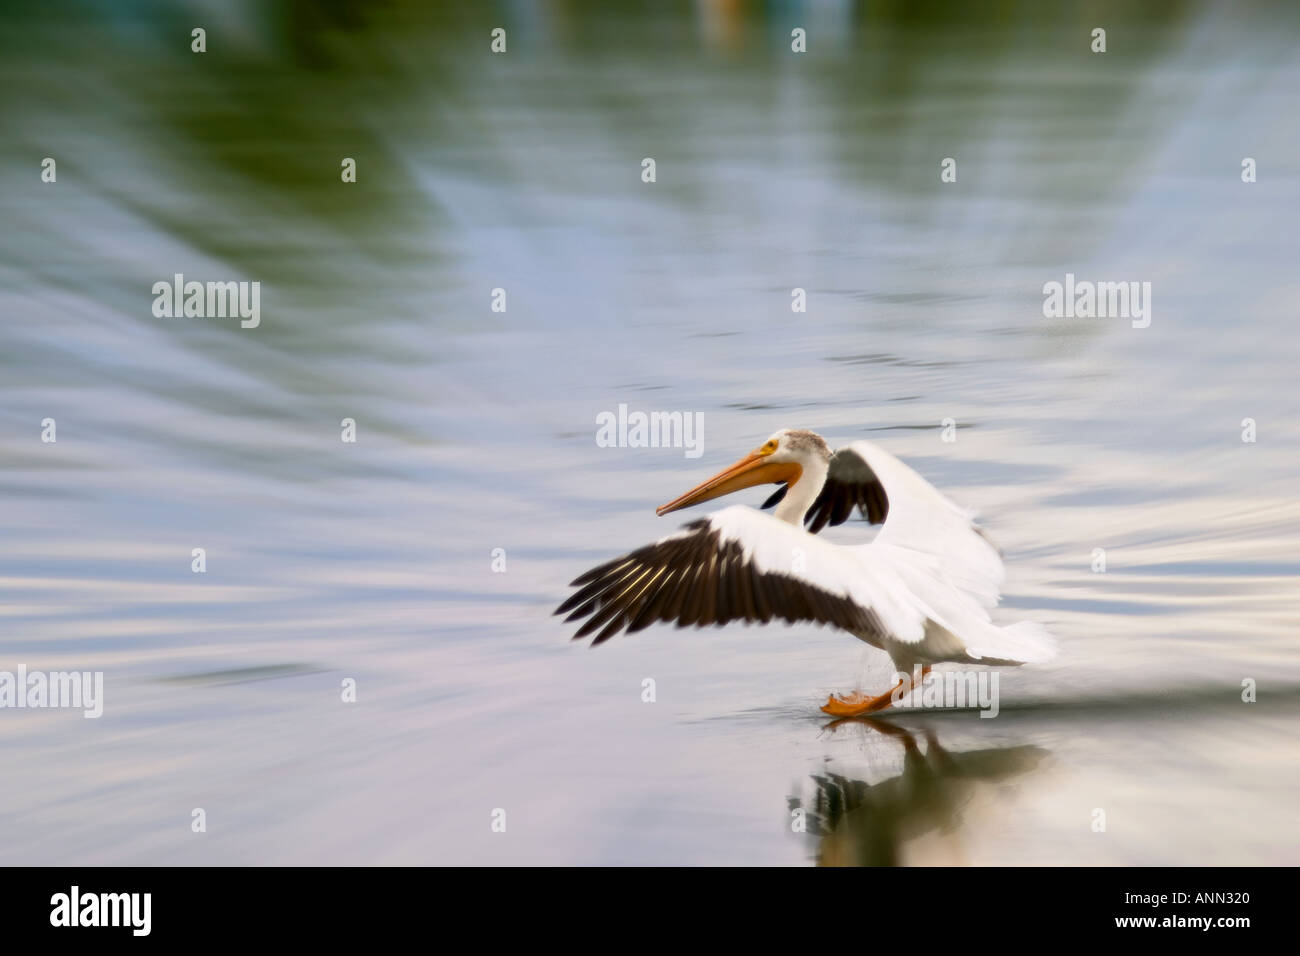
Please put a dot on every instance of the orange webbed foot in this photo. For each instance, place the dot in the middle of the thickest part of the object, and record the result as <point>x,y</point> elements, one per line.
<point>856,705</point>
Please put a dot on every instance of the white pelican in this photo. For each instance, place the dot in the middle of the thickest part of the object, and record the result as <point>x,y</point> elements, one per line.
<point>920,590</point>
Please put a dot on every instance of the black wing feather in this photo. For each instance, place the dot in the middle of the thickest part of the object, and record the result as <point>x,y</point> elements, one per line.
<point>850,484</point>
<point>696,578</point>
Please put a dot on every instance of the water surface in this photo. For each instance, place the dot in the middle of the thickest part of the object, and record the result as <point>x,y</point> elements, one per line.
<point>476,429</point>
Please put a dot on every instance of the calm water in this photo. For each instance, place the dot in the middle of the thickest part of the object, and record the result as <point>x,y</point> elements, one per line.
<point>476,430</point>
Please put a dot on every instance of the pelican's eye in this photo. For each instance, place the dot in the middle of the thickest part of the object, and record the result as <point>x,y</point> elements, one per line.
<point>769,447</point>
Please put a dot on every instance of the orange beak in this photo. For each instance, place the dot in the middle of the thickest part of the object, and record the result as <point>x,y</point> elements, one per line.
<point>753,469</point>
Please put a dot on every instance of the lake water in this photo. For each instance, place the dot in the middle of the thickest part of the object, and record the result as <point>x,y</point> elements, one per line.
<point>373,561</point>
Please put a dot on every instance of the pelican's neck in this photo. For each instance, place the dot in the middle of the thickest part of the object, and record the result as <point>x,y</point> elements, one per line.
<point>802,492</point>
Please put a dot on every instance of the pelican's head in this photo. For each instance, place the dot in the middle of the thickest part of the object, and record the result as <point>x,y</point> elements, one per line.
<point>782,458</point>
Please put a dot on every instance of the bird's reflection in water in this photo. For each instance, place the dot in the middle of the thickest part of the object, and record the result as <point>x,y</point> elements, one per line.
<point>860,824</point>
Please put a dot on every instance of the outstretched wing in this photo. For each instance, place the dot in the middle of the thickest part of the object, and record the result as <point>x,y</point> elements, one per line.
<point>940,535</point>
<point>736,564</point>
<point>850,484</point>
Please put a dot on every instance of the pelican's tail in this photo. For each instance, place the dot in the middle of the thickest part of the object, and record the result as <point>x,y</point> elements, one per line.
<point>1023,643</point>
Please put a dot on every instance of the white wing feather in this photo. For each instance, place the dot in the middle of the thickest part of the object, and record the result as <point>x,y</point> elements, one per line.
<point>857,573</point>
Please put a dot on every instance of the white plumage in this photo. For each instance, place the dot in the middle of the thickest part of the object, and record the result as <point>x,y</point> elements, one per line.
<point>921,590</point>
